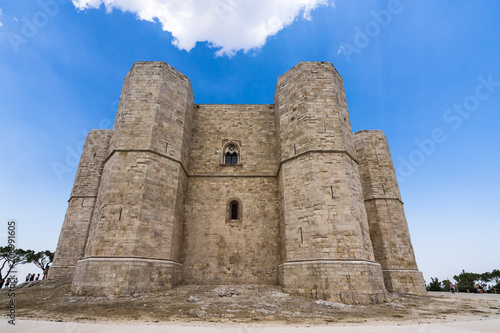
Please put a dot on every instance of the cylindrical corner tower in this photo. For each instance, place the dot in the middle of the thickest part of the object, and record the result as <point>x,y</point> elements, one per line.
<point>74,231</point>
<point>326,249</point>
<point>135,233</point>
<point>388,227</point>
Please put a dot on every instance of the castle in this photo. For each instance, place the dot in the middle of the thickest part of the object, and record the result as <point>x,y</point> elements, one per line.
<point>279,194</point>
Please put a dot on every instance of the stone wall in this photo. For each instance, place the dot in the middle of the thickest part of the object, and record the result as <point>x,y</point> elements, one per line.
<point>216,250</point>
<point>311,111</point>
<point>323,223</point>
<point>139,209</point>
<point>345,281</point>
<point>388,227</point>
<point>253,126</point>
<point>74,232</point>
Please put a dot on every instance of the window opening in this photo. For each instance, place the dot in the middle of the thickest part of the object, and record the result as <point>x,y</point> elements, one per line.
<point>234,210</point>
<point>231,155</point>
<point>232,158</point>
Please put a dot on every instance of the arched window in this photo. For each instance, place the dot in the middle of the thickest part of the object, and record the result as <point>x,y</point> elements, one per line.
<point>231,153</point>
<point>234,210</point>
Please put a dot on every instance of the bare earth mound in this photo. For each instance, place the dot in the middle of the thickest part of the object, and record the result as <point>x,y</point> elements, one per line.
<point>53,301</point>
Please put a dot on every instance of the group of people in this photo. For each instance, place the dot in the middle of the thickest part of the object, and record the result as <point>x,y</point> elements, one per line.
<point>478,287</point>
<point>30,277</point>
<point>8,282</point>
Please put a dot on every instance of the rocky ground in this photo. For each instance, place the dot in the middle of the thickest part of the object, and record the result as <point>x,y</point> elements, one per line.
<point>53,301</point>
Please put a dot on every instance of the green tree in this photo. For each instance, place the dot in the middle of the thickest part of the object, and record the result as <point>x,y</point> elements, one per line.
<point>495,278</point>
<point>40,259</point>
<point>484,278</point>
<point>435,285</point>
<point>466,279</point>
<point>9,259</point>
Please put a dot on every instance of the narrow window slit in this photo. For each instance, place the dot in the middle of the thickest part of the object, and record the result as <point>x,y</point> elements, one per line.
<point>301,238</point>
<point>120,217</point>
<point>234,210</point>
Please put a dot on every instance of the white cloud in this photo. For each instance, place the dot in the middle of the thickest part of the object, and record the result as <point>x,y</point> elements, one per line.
<point>228,25</point>
<point>1,14</point>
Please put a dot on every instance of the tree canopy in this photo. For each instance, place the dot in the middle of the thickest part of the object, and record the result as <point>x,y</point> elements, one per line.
<point>467,280</point>
<point>10,258</point>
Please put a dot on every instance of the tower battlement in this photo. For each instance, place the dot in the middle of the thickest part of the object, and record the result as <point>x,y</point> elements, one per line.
<point>283,193</point>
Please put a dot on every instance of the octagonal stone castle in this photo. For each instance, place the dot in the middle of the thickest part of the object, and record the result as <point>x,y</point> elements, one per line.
<point>278,194</point>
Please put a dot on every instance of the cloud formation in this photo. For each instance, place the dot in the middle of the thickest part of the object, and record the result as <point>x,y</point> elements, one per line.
<point>1,14</point>
<point>227,25</point>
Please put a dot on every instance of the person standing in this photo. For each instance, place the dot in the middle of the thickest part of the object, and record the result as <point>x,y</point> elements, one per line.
<point>46,271</point>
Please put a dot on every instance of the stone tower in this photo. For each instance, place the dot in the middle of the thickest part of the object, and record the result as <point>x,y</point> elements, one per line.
<point>71,245</point>
<point>134,238</point>
<point>326,248</point>
<point>388,227</point>
<point>279,193</point>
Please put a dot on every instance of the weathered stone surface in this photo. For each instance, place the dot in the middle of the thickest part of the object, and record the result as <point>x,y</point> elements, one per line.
<point>388,227</point>
<point>346,281</point>
<point>323,214</point>
<point>71,245</point>
<point>128,276</point>
<point>139,208</point>
<point>156,203</point>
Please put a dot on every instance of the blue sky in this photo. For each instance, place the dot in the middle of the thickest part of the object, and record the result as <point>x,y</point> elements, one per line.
<point>425,72</point>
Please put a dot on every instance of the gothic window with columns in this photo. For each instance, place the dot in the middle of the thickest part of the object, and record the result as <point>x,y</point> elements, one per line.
<point>231,154</point>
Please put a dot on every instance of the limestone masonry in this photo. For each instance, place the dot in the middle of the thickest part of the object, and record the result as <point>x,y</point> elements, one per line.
<point>285,193</point>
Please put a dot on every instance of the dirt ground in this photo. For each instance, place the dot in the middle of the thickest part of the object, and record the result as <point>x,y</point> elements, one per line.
<point>249,304</point>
